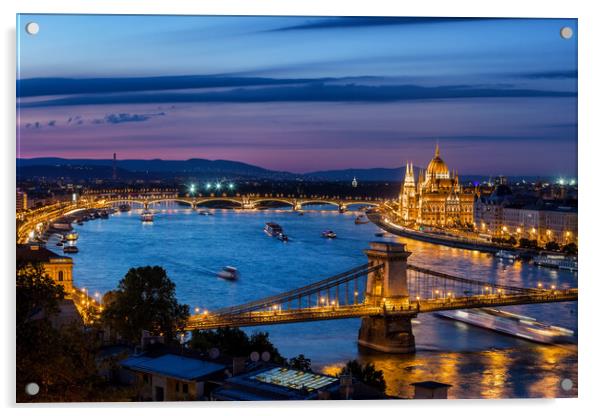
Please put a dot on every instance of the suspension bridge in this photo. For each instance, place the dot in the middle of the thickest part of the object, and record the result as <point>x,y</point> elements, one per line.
<point>386,293</point>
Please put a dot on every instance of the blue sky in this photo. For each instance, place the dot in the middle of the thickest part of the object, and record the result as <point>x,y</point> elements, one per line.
<point>302,93</point>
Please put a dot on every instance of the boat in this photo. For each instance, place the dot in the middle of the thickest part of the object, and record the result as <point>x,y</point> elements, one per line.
<point>329,234</point>
<point>379,234</point>
<point>505,254</point>
<point>70,249</point>
<point>205,212</point>
<point>361,219</point>
<point>63,226</point>
<point>124,208</point>
<point>147,216</point>
<point>272,229</point>
<point>282,237</point>
<point>104,214</point>
<point>508,323</point>
<point>59,243</point>
<point>556,261</point>
<point>80,222</point>
<point>72,236</point>
<point>228,273</point>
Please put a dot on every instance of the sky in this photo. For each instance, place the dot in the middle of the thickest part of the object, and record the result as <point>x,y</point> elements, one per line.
<point>302,93</point>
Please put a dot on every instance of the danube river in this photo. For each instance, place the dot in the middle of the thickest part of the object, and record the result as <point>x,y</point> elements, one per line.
<point>476,362</point>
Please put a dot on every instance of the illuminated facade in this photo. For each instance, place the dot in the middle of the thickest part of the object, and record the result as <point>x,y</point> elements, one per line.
<point>58,268</point>
<point>437,199</point>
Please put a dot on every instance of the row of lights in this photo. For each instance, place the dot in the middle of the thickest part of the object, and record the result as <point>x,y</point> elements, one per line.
<point>210,186</point>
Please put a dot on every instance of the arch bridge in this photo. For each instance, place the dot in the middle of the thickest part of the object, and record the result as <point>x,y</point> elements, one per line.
<point>386,293</point>
<point>243,202</point>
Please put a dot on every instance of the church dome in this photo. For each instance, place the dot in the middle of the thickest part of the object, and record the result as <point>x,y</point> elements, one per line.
<point>437,168</point>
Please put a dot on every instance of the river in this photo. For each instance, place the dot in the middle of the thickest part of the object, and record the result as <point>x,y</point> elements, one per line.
<point>476,362</point>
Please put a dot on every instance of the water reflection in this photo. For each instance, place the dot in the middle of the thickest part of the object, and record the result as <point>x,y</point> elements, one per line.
<point>191,247</point>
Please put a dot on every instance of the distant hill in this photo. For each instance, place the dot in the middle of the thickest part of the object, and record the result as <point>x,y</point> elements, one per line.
<point>79,169</point>
<point>134,168</point>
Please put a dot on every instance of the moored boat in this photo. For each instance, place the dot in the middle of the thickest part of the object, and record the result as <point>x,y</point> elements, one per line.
<point>70,249</point>
<point>124,208</point>
<point>556,261</point>
<point>72,236</point>
<point>505,254</point>
<point>511,324</point>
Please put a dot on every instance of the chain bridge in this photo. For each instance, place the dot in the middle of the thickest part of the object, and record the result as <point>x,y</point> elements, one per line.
<point>386,293</point>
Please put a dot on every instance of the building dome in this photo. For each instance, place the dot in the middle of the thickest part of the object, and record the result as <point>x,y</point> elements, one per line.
<point>437,169</point>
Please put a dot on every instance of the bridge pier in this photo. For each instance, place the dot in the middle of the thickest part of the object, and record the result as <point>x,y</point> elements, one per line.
<point>388,287</point>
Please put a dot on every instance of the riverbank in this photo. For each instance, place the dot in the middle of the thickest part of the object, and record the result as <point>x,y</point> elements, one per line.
<point>457,242</point>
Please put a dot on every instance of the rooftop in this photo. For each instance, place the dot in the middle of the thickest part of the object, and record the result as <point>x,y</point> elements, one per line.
<point>37,253</point>
<point>276,383</point>
<point>172,365</point>
<point>430,384</point>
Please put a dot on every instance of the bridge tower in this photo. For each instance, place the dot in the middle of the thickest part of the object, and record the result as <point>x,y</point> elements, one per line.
<point>388,287</point>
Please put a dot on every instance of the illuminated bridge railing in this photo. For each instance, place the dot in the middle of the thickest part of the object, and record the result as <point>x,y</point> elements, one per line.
<point>430,284</point>
<point>346,288</point>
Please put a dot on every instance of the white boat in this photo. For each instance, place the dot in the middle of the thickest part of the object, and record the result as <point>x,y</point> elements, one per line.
<point>228,273</point>
<point>556,261</point>
<point>147,216</point>
<point>329,234</point>
<point>508,323</point>
<point>505,254</point>
<point>205,212</point>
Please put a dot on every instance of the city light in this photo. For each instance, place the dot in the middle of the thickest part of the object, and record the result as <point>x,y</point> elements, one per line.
<point>197,310</point>
<point>231,186</point>
<point>192,189</point>
<point>218,186</point>
<point>208,186</point>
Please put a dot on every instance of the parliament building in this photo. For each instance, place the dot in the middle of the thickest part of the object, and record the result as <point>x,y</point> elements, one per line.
<point>437,199</point>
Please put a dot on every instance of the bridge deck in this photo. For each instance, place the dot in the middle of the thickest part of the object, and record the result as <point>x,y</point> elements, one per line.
<point>256,318</point>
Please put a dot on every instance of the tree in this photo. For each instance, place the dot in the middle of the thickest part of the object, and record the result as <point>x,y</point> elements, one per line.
<point>300,363</point>
<point>552,246</point>
<point>367,374</point>
<point>570,249</point>
<point>234,342</point>
<point>526,243</point>
<point>145,299</point>
<point>60,359</point>
<point>36,292</point>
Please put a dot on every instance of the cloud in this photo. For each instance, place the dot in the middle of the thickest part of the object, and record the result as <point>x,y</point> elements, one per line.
<point>354,22</point>
<point>118,118</point>
<point>33,87</point>
<point>563,74</point>
<point>315,92</point>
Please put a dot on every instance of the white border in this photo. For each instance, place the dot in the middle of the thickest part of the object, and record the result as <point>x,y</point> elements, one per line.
<point>590,69</point>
